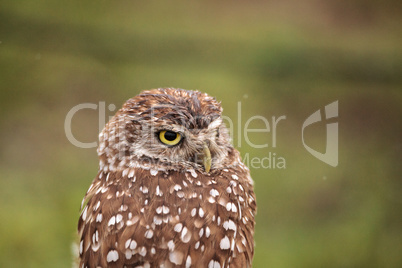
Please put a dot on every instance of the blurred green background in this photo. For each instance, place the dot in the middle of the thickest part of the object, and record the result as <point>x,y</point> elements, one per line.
<point>275,57</point>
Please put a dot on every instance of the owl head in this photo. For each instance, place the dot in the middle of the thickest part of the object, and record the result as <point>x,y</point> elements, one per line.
<point>168,128</point>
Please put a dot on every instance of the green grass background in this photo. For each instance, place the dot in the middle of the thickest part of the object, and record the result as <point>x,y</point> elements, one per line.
<point>276,58</point>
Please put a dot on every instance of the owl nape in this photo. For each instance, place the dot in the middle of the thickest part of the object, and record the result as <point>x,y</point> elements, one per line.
<point>171,191</point>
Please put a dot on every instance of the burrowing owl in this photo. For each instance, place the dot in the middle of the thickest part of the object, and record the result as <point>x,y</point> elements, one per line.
<point>171,190</point>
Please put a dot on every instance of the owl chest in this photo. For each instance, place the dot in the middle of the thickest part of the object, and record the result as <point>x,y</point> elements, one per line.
<point>183,216</point>
<point>194,201</point>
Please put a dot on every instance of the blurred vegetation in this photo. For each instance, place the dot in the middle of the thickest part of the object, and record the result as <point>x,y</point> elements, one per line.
<point>276,58</point>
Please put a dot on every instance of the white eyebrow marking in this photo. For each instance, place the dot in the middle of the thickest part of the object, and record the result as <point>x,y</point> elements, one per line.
<point>215,123</point>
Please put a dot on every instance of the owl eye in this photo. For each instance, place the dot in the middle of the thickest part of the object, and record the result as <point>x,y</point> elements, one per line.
<point>169,137</point>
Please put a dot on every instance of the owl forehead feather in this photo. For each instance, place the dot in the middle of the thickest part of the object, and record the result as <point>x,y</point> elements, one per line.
<point>192,109</point>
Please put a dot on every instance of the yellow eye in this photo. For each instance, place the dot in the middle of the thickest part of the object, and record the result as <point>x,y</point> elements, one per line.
<point>169,137</point>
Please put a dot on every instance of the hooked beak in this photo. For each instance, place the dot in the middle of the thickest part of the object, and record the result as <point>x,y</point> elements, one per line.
<point>206,157</point>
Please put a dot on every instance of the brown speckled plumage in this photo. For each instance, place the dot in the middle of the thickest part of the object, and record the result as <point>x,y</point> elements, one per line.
<point>153,205</point>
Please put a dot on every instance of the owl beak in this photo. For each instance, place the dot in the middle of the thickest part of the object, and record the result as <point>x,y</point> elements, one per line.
<point>206,157</point>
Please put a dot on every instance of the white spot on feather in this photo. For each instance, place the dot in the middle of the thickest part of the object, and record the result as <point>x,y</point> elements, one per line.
<point>132,221</point>
<point>144,189</point>
<point>112,221</point>
<point>129,254</point>
<point>158,192</point>
<point>149,234</point>
<point>165,209</point>
<point>185,235</point>
<point>97,206</point>
<point>170,245</point>
<point>201,232</point>
<point>127,244</point>
<point>178,227</point>
<point>229,225</point>
<point>157,220</point>
<point>214,192</point>
<point>188,262</point>
<point>84,213</point>
<point>133,244</point>
<point>177,187</point>
<point>142,251</point>
<point>207,232</point>
<point>193,173</point>
<point>214,264</point>
<point>112,256</point>
<point>231,207</point>
<point>176,257</point>
<point>225,243</point>
<point>193,212</point>
<point>81,246</point>
<point>119,217</point>
<point>201,212</point>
